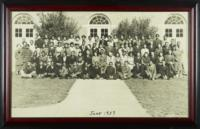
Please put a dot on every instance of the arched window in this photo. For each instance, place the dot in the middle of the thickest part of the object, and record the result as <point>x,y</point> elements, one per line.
<point>99,20</point>
<point>174,20</point>
<point>24,19</point>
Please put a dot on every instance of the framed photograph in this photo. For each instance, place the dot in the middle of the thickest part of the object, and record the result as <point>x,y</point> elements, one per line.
<point>77,62</point>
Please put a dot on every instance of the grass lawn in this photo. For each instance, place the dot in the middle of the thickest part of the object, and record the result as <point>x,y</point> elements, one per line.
<point>38,92</point>
<point>161,97</point>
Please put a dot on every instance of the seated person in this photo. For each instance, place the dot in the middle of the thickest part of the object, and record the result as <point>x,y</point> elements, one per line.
<point>95,71</point>
<point>137,70</point>
<point>126,71</point>
<point>64,72</point>
<point>110,71</point>
<point>50,71</point>
<point>118,68</point>
<point>28,71</point>
<point>41,70</point>
<point>151,71</point>
<point>144,63</point>
<point>86,69</point>
<point>75,71</point>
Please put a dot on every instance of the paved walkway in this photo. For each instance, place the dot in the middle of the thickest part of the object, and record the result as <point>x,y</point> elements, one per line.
<point>91,98</point>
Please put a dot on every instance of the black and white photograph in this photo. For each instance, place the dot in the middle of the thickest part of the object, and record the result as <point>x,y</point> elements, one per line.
<point>125,64</point>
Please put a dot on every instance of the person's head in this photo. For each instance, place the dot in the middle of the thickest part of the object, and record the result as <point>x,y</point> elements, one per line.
<point>42,53</point>
<point>102,37</point>
<point>71,36</point>
<point>28,63</point>
<point>80,53</point>
<point>166,43</point>
<point>117,55</point>
<point>142,37</point>
<point>96,63</point>
<point>157,36</point>
<point>110,63</point>
<point>41,63</point>
<point>59,44</point>
<point>95,53</point>
<point>110,54</point>
<point>160,54</point>
<point>122,36</point>
<point>89,37</point>
<point>71,44</point>
<point>125,63</point>
<point>67,45</point>
<point>145,46</point>
<point>130,54</point>
<point>83,37</point>
<point>118,64</point>
<point>146,54</point>
<point>74,64</point>
<point>31,42</point>
<point>87,52</point>
<point>58,37</point>
<point>77,46</point>
<point>64,38</point>
<point>77,38</point>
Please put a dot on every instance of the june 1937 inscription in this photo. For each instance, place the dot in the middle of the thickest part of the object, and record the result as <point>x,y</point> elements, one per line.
<point>102,113</point>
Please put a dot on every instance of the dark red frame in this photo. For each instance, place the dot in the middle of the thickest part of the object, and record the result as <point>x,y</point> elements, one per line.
<point>192,65</point>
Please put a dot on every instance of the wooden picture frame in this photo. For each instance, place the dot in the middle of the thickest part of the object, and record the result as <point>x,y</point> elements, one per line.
<point>192,7</point>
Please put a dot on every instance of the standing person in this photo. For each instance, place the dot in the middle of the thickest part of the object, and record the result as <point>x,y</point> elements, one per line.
<point>169,59</point>
<point>126,71</point>
<point>157,41</point>
<point>18,59</point>
<point>103,42</point>
<point>166,48</point>
<point>110,71</point>
<point>39,43</point>
<point>32,46</point>
<point>26,53</point>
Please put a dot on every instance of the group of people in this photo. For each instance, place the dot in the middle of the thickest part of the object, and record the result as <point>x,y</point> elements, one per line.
<point>105,57</point>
